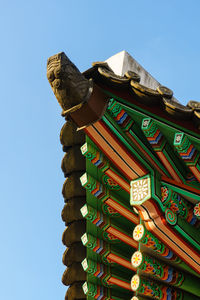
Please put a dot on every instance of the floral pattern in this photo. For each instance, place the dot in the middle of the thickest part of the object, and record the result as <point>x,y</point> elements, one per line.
<point>197,210</point>
<point>135,282</point>
<point>136,259</point>
<point>138,232</point>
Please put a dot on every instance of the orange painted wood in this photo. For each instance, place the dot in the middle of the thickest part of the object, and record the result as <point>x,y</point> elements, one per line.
<point>121,261</point>
<point>118,282</point>
<point>123,237</point>
<point>123,211</point>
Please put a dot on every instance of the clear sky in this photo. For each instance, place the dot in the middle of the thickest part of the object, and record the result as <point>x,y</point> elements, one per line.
<point>163,36</point>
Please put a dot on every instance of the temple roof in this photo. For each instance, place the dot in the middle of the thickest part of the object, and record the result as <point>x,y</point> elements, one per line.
<point>125,74</point>
<point>132,190</point>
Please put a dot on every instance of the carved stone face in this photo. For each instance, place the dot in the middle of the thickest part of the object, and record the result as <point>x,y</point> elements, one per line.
<point>69,85</point>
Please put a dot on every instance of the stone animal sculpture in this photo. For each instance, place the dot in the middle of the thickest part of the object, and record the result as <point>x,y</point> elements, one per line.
<point>70,87</point>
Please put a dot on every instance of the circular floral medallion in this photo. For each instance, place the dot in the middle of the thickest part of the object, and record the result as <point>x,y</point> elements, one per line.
<point>135,282</point>
<point>136,259</point>
<point>138,232</point>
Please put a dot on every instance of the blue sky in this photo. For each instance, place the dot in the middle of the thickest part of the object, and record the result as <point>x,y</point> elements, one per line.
<point>163,37</point>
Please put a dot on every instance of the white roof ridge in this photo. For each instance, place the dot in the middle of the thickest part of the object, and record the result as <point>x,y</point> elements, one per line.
<point>122,62</point>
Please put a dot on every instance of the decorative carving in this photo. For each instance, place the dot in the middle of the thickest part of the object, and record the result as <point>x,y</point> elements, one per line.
<point>109,211</point>
<point>142,235</point>
<point>177,204</point>
<point>110,183</point>
<point>140,190</point>
<point>135,282</point>
<point>163,149</point>
<point>148,239</point>
<point>170,217</point>
<point>153,134</point>
<point>188,153</point>
<point>110,237</point>
<point>70,87</point>
<point>173,201</point>
<point>95,156</point>
<point>91,267</point>
<point>138,232</point>
<point>157,268</point>
<point>119,115</point>
<point>93,186</point>
<point>92,290</point>
<point>185,148</point>
<point>98,270</point>
<point>98,219</point>
<point>136,259</point>
<point>153,289</point>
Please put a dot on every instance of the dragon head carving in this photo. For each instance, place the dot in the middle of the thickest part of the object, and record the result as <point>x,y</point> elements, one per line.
<point>70,87</point>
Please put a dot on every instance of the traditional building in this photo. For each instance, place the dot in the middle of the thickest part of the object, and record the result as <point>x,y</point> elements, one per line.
<point>132,188</point>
